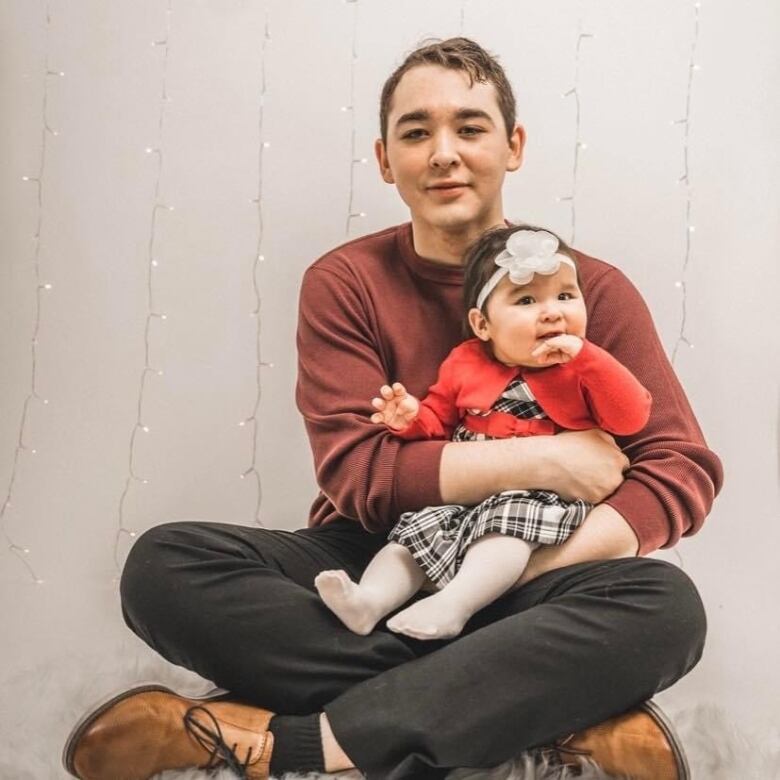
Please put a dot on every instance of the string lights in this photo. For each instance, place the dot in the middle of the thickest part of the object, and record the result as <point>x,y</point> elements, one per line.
<point>152,262</point>
<point>578,143</point>
<point>685,179</point>
<point>259,257</point>
<point>354,159</point>
<point>41,288</point>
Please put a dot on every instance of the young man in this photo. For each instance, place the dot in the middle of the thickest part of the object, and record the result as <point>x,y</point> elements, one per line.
<point>564,661</point>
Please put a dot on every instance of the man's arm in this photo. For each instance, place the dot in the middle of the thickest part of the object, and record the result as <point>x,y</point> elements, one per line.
<point>581,464</point>
<point>604,535</point>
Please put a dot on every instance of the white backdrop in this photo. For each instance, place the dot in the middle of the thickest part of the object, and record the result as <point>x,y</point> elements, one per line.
<point>201,135</point>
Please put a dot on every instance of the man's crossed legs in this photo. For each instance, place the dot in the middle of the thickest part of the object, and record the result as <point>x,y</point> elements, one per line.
<point>569,650</point>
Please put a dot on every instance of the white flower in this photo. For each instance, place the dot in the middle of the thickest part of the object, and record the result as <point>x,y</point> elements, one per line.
<point>529,252</point>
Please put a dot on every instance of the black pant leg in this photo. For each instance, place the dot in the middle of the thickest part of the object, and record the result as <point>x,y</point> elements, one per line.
<point>238,606</point>
<point>568,650</point>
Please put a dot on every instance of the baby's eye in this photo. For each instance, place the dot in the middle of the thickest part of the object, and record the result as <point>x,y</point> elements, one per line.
<point>526,300</point>
<point>565,296</point>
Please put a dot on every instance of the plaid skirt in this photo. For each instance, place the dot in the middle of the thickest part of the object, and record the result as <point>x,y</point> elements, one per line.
<point>438,536</point>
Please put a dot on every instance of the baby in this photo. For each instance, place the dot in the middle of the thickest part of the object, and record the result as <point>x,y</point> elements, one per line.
<point>528,371</point>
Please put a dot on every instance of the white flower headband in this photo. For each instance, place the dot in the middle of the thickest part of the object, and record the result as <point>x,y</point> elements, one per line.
<point>527,252</point>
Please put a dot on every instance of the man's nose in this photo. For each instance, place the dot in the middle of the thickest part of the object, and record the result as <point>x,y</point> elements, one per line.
<point>444,153</point>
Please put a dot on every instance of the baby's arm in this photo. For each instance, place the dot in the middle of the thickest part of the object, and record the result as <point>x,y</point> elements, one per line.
<point>618,401</point>
<point>435,417</point>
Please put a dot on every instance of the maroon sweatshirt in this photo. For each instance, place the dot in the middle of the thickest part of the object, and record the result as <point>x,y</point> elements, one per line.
<point>373,312</point>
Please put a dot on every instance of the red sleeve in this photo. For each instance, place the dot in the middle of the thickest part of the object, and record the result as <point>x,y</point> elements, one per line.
<point>439,414</point>
<point>616,399</point>
<point>674,476</point>
<point>368,474</point>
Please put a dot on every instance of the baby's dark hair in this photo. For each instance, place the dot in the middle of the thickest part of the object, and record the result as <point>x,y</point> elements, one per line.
<point>479,265</point>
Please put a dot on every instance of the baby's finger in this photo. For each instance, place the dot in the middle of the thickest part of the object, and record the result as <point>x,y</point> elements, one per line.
<point>377,418</point>
<point>386,391</point>
<point>399,389</point>
<point>378,403</point>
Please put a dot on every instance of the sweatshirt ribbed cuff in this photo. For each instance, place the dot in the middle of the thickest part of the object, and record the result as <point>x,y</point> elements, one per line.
<point>297,744</point>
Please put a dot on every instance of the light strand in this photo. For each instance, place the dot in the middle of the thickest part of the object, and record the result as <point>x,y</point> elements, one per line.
<point>574,92</point>
<point>685,179</point>
<point>152,262</point>
<point>259,257</point>
<point>20,551</point>
<point>353,159</point>
<point>463,17</point>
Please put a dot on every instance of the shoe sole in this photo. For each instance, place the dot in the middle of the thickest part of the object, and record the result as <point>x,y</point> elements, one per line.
<point>655,712</point>
<point>78,730</point>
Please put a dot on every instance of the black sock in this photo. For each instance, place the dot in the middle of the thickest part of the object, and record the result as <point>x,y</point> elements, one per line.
<point>297,744</point>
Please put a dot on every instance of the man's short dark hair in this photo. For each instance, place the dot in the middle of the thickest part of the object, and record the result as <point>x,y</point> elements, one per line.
<point>455,54</point>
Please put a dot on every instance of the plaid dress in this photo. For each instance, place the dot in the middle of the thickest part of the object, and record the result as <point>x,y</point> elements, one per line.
<point>438,536</point>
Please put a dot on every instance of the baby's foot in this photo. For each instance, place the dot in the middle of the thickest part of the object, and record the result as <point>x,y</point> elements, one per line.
<point>435,617</point>
<point>347,601</point>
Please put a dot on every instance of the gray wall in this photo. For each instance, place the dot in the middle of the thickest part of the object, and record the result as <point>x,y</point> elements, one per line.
<point>239,74</point>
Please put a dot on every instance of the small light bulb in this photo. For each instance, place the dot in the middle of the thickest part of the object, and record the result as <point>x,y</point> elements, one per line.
<point>583,146</point>
<point>47,286</point>
<point>261,258</point>
<point>678,284</point>
<point>45,401</point>
<point>160,372</point>
<point>163,316</point>
<point>149,150</point>
<point>34,451</point>
<point>26,550</point>
<point>55,132</point>
<point>691,229</point>
<point>362,214</point>
<point>62,73</point>
<point>144,481</point>
<point>242,424</point>
<point>38,581</point>
<point>25,178</point>
<point>155,263</point>
<point>132,534</point>
<point>697,67</point>
<point>145,428</point>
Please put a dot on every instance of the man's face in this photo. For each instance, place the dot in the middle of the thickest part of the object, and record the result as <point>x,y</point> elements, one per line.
<point>447,150</point>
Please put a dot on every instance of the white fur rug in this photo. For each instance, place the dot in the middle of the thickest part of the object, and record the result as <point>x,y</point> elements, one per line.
<point>39,707</point>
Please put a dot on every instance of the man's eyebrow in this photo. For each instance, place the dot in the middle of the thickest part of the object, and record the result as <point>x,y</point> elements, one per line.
<point>421,115</point>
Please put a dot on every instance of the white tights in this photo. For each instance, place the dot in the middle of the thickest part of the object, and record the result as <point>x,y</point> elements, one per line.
<point>491,566</point>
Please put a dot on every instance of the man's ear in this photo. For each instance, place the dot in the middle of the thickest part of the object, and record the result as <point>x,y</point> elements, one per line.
<point>384,165</point>
<point>516,147</point>
<point>479,324</point>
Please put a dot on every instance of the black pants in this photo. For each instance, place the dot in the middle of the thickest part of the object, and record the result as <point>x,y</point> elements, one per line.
<point>575,646</point>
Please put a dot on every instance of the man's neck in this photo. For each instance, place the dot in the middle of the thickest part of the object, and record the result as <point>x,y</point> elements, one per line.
<point>447,247</point>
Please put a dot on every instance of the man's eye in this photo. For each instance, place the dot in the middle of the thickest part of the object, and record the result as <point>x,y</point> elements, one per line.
<point>414,134</point>
<point>471,130</point>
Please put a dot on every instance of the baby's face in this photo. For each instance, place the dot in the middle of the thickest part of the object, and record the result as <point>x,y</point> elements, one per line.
<point>520,318</point>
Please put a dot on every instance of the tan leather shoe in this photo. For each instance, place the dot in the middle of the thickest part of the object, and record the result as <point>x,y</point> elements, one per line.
<point>640,744</point>
<point>148,729</point>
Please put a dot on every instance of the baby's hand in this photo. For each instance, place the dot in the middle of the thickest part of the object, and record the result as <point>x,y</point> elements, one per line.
<point>396,408</point>
<point>558,349</point>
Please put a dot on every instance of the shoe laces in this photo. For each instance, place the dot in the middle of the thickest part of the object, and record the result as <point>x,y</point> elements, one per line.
<point>209,736</point>
<point>554,753</point>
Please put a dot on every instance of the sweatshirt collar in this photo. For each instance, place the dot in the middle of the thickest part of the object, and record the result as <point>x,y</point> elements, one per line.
<point>426,269</point>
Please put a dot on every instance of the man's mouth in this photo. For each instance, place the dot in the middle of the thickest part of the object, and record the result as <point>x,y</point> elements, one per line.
<point>447,185</point>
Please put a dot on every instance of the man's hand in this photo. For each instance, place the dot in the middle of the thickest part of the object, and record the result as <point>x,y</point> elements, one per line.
<point>396,408</point>
<point>559,349</point>
<point>583,464</point>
